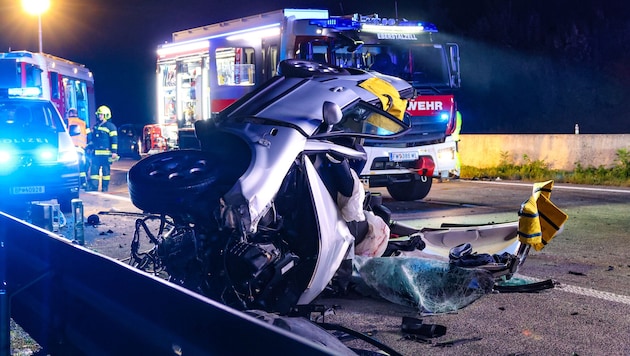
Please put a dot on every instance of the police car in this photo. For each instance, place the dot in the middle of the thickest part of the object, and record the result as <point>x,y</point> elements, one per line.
<point>38,161</point>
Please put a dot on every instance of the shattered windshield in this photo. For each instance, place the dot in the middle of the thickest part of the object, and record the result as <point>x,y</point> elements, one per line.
<point>432,286</point>
<point>366,120</point>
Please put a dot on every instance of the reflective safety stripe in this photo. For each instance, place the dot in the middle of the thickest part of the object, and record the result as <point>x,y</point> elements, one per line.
<point>539,220</point>
<point>102,152</point>
<point>104,137</point>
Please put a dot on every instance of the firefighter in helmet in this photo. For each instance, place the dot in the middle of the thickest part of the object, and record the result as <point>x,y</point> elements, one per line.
<point>103,138</point>
<point>80,142</point>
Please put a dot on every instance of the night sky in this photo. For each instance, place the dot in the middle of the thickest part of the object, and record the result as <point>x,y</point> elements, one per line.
<point>527,66</point>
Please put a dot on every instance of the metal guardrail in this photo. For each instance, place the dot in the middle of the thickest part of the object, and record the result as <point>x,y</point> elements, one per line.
<point>73,301</point>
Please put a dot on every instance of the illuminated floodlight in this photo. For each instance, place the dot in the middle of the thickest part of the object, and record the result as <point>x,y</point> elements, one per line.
<point>204,44</point>
<point>392,29</point>
<point>37,8</point>
<point>255,34</point>
<point>182,48</point>
<point>300,14</point>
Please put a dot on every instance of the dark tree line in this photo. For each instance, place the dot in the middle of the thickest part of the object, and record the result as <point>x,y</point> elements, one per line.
<point>540,66</point>
<point>528,66</point>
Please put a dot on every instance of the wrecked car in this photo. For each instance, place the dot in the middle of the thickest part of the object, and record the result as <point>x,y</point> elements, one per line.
<point>265,213</point>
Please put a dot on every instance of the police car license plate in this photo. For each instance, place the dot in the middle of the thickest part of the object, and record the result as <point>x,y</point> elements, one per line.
<point>403,156</point>
<point>32,189</point>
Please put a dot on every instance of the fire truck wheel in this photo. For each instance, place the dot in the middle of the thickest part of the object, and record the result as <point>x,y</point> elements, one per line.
<point>302,68</point>
<point>174,182</point>
<point>416,189</point>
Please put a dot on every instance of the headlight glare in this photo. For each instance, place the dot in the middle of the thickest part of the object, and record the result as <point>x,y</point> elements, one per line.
<point>5,157</point>
<point>68,156</point>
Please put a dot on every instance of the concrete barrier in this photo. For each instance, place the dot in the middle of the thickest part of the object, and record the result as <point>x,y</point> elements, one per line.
<point>559,151</point>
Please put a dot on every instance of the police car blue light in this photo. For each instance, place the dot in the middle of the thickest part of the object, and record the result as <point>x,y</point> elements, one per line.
<point>38,161</point>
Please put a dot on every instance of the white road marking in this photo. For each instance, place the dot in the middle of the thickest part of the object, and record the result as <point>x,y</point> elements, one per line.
<point>588,292</point>
<point>106,195</point>
<point>555,186</point>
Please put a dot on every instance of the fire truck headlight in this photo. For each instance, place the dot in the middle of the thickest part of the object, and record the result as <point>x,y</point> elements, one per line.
<point>444,116</point>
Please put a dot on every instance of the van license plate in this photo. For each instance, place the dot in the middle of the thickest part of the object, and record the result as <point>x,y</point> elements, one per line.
<point>403,156</point>
<point>32,189</point>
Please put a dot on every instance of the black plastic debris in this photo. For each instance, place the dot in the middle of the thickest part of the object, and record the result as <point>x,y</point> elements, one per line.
<point>415,326</point>
<point>525,288</point>
<point>93,220</point>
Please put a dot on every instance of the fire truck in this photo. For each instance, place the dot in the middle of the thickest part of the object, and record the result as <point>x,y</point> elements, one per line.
<point>205,69</point>
<point>39,75</point>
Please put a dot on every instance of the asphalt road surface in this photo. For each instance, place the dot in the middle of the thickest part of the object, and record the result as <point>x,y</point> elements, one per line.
<point>587,313</point>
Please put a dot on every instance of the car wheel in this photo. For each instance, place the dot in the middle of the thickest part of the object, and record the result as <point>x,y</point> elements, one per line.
<point>417,189</point>
<point>176,182</point>
<point>303,68</point>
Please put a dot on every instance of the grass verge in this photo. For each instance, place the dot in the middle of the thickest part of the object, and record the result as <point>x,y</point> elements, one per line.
<point>537,170</point>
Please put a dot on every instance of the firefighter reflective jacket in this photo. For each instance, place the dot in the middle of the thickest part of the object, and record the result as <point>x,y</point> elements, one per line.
<point>104,139</point>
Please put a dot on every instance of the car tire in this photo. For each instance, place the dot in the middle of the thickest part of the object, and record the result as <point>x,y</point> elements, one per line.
<point>176,182</point>
<point>416,189</point>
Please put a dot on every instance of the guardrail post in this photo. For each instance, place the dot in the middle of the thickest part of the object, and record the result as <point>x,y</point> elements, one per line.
<point>78,223</point>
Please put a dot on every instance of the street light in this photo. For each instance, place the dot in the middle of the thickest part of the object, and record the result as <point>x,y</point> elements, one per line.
<point>37,7</point>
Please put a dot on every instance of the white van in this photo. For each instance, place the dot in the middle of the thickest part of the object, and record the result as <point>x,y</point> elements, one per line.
<point>38,160</point>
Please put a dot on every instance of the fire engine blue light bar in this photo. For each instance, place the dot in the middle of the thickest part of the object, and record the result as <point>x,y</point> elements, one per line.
<point>337,24</point>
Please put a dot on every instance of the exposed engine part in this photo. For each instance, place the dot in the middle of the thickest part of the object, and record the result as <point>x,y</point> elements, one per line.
<point>257,268</point>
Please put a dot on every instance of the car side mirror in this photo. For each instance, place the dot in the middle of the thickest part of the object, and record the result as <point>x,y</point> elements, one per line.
<point>332,114</point>
<point>74,130</point>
